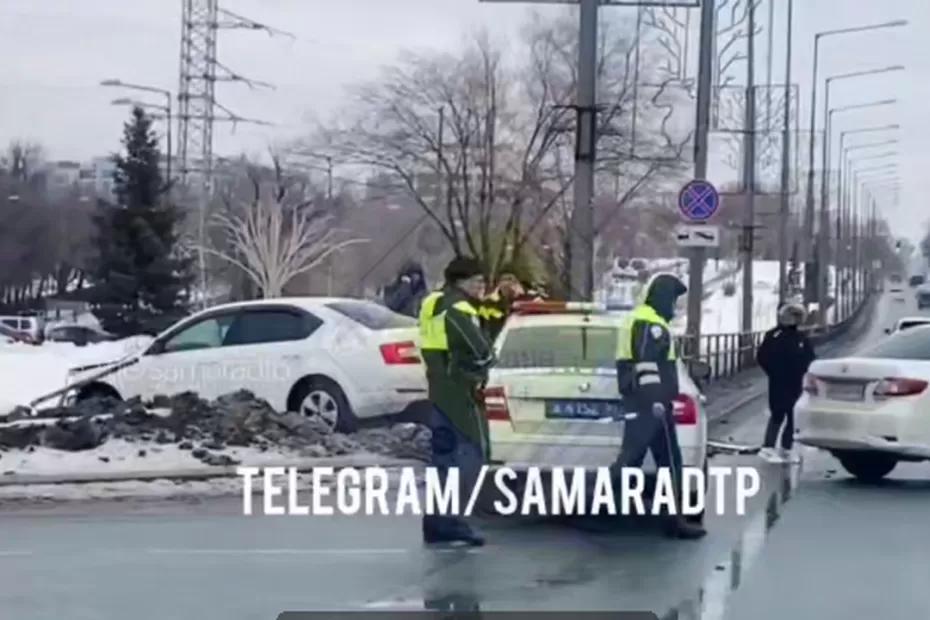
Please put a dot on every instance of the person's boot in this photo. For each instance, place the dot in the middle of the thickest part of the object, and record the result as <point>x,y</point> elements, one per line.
<point>681,527</point>
<point>452,534</point>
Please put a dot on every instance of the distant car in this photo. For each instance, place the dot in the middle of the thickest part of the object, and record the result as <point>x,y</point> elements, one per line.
<point>77,334</point>
<point>552,399</point>
<point>916,280</point>
<point>907,323</point>
<point>870,410</point>
<point>12,336</point>
<point>33,326</point>
<point>336,359</point>
<point>923,297</point>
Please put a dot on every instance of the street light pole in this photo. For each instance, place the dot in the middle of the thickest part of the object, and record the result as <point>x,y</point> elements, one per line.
<point>823,237</point>
<point>749,174</point>
<point>167,108</point>
<point>809,275</point>
<point>785,167</point>
<point>701,144</point>
<point>585,150</point>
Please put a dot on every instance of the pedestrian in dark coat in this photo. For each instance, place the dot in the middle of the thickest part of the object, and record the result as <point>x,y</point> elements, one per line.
<point>406,293</point>
<point>785,355</point>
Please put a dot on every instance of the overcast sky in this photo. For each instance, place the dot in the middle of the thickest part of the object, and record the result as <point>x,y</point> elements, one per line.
<point>56,52</point>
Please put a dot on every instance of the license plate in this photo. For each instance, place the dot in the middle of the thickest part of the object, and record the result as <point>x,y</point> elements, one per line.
<point>583,409</point>
<point>846,391</point>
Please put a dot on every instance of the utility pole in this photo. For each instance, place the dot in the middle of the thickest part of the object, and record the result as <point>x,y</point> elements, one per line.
<point>785,210</point>
<point>582,220</point>
<point>749,173</point>
<point>705,79</point>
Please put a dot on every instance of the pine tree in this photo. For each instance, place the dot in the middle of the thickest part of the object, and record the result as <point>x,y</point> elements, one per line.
<point>140,277</point>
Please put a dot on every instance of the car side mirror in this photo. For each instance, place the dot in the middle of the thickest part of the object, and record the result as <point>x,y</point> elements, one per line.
<point>156,348</point>
<point>699,370</point>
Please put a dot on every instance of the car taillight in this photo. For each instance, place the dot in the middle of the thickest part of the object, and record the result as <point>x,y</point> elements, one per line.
<point>685,410</point>
<point>495,404</point>
<point>400,353</point>
<point>900,387</point>
<point>810,384</point>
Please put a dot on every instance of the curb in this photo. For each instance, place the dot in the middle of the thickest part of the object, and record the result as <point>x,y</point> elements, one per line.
<point>202,473</point>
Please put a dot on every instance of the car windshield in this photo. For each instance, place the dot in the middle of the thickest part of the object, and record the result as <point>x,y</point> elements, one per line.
<point>913,345</point>
<point>909,324</point>
<point>568,346</point>
<point>372,315</point>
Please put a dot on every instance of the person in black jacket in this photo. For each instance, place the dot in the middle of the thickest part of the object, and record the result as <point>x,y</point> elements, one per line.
<point>785,355</point>
<point>406,293</point>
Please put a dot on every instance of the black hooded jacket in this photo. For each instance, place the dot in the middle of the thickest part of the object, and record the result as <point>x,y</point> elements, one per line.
<point>406,293</point>
<point>651,343</point>
<point>785,355</point>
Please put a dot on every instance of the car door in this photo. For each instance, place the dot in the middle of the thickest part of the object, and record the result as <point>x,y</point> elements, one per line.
<point>266,350</point>
<point>186,359</point>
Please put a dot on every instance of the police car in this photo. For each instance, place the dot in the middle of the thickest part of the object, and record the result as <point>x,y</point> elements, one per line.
<point>552,399</point>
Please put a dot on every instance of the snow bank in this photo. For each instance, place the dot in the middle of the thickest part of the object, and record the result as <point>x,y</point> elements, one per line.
<point>125,457</point>
<point>27,372</point>
<point>723,315</point>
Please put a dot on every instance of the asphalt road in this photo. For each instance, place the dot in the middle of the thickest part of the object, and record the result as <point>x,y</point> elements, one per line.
<point>811,545</point>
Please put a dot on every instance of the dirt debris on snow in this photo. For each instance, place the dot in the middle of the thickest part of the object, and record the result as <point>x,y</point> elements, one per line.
<point>204,428</point>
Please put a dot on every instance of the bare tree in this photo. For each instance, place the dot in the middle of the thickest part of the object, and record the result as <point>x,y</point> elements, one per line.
<point>23,159</point>
<point>477,138</point>
<point>278,235</point>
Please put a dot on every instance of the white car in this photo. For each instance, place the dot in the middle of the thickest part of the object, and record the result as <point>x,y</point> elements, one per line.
<point>339,359</point>
<point>907,323</point>
<point>552,399</point>
<point>871,410</point>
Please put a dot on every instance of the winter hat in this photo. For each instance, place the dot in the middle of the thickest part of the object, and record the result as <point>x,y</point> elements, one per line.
<point>791,315</point>
<point>462,268</point>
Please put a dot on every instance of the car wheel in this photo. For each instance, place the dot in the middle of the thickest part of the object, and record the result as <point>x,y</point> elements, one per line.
<point>699,517</point>
<point>324,399</point>
<point>868,466</point>
<point>92,391</point>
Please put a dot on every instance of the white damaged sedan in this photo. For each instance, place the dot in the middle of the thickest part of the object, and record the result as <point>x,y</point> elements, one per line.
<point>871,411</point>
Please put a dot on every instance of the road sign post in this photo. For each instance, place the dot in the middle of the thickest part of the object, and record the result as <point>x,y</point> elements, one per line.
<point>698,201</point>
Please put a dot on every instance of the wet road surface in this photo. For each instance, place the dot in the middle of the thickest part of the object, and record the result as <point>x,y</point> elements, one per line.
<point>812,545</point>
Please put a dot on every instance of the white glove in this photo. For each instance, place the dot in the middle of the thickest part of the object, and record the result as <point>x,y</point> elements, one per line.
<point>658,410</point>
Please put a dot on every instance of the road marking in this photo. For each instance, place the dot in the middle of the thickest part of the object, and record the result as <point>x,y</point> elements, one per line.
<point>13,554</point>
<point>373,551</point>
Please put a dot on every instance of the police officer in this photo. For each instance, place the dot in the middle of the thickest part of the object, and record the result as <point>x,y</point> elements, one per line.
<point>457,357</point>
<point>495,308</point>
<point>648,380</point>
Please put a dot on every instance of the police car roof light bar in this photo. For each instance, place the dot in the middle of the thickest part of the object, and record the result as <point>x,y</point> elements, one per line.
<point>558,307</point>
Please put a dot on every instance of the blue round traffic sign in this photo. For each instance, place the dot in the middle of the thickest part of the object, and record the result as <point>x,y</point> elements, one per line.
<point>698,201</point>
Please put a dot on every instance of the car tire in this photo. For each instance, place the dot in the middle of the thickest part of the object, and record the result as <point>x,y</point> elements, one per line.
<point>698,519</point>
<point>323,398</point>
<point>97,391</point>
<point>868,467</point>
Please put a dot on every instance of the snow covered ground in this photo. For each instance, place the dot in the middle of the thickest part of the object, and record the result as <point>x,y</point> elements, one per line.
<point>27,371</point>
<point>723,314</point>
<point>119,455</point>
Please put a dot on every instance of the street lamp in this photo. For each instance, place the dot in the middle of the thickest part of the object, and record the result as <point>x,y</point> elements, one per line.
<point>809,206</point>
<point>167,109</point>
<point>809,215</point>
<point>828,125</point>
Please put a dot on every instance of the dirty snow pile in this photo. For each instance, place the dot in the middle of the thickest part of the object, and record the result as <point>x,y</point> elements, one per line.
<point>212,433</point>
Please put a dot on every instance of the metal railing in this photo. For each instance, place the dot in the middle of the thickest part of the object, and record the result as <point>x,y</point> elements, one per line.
<point>731,354</point>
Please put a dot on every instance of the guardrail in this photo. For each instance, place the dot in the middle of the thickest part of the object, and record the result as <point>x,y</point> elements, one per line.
<point>733,353</point>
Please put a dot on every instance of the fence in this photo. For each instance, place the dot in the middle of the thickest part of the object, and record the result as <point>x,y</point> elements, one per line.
<point>733,353</point>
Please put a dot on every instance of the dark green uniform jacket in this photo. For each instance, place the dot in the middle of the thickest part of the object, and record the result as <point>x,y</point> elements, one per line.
<point>456,377</point>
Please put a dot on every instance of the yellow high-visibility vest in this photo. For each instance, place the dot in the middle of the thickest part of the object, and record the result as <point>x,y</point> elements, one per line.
<point>433,325</point>
<point>644,314</point>
<point>489,312</point>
